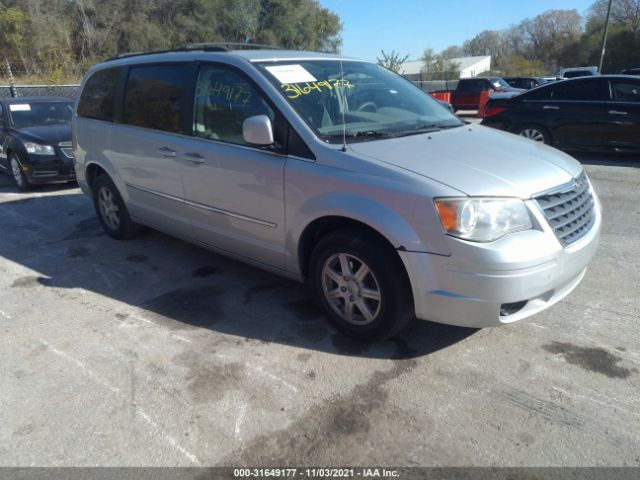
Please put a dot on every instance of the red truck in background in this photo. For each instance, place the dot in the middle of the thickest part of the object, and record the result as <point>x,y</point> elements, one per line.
<point>466,96</point>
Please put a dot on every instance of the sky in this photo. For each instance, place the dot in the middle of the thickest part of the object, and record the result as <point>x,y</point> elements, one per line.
<point>410,26</point>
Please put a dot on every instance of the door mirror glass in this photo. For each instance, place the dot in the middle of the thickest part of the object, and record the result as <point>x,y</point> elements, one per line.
<point>257,130</point>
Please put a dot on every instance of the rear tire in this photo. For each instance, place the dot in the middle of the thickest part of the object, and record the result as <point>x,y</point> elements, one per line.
<point>536,133</point>
<point>361,284</point>
<point>111,210</point>
<point>17,174</point>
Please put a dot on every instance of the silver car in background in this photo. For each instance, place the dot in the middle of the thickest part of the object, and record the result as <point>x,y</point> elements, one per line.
<point>340,173</point>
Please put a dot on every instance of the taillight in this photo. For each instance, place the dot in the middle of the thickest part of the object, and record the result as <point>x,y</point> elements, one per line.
<point>491,111</point>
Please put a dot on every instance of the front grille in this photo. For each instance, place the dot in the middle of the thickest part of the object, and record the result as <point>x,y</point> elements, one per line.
<point>570,212</point>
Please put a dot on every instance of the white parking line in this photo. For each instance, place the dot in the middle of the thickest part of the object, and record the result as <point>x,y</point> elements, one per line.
<point>140,318</point>
<point>139,412</point>
<point>240,419</point>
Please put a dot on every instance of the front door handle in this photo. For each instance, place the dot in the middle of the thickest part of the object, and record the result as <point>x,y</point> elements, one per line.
<point>550,107</point>
<point>617,112</point>
<point>194,158</point>
<point>167,152</point>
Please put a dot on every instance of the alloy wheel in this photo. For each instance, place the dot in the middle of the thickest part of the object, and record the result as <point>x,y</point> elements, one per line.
<point>532,134</point>
<point>351,289</point>
<point>108,208</point>
<point>17,174</point>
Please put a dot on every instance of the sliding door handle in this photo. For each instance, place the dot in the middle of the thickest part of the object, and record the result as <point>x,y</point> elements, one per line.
<point>550,107</point>
<point>194,158</point>
<point>617,112</point>
<point>167,152</point>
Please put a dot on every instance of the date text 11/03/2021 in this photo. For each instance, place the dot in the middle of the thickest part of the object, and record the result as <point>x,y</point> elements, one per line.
<point>315,473</point>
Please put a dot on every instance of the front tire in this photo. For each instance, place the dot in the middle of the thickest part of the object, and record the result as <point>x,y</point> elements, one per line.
<point>111,210</point>
<point>361,284</point>
<point>18,175</point>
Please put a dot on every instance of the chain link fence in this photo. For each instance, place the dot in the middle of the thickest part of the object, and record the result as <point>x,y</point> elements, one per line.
<point>431,86</point>
<point>68,91</point>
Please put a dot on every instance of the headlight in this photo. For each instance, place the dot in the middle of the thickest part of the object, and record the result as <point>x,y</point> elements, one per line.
<point>482,219</point>
<point>37,149</point>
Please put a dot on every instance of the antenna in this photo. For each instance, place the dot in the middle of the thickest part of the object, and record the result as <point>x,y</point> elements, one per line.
<point>344,105</point>
<point>342,95</point>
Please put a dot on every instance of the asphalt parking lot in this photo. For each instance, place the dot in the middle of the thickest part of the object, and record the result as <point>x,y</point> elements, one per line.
<point>156,352</point>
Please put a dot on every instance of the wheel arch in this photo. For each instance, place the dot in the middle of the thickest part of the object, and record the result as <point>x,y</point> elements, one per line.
<point>92,171</point>
<point>305,230</point>
<point>323,226</point>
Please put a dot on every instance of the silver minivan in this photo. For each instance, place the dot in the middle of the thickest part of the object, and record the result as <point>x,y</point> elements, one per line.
<point>337,172</point>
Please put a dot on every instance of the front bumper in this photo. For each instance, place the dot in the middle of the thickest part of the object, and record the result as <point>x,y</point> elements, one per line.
<point>522,274</point>
<point>49,169</point>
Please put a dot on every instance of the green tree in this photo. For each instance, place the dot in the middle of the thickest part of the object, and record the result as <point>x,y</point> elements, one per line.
<point>437,67</point>
<point>393,60</point>
<point>60,38</point>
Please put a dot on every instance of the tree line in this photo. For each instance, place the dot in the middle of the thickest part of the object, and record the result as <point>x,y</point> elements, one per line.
<point>544,44</point>
<point>56,40</point>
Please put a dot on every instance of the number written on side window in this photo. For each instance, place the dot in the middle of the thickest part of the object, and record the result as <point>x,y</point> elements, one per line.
<point>223,100</point>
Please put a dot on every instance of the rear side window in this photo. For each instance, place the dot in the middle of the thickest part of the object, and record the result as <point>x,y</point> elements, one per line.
<point>154,96</point>
<point>99,95</point>
<point>625,91</point>
<point>581,91</point>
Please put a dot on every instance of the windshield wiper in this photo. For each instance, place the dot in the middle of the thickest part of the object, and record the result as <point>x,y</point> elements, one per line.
<point>372,133</point>
<point>426,128</point>
<point>420,129</point>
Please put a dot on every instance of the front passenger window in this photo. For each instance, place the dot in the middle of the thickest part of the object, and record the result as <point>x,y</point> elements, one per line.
<point>223,100</point>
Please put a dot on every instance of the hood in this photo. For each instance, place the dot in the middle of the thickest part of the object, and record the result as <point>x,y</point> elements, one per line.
<point>477,160</point>
<point>48,135</point>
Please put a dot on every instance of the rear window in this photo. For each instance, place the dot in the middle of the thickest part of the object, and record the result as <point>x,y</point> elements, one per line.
<point>98,97</point>
<point>472,86</point>
<point>542,93</point>
<point>154,96</point>
<point>624,91</point>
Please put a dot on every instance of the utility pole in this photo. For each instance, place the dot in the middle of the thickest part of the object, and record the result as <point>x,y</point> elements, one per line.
<point>604,36</point>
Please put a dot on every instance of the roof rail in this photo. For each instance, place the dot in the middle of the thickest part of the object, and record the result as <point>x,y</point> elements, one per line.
<point>205,47</point>
<point>226,46</point>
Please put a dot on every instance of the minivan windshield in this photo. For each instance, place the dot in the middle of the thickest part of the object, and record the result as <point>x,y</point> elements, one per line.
<point>38,114</point>
<point>377,103</point>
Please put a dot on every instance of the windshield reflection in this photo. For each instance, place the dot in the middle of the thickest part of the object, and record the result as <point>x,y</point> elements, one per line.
<point>368,101</point>
<point>38,114</point>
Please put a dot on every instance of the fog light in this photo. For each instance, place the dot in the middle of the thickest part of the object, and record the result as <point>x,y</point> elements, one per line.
<point>507,309</point>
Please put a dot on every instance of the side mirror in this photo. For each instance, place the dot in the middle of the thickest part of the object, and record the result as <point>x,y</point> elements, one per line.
<point>257,130</point>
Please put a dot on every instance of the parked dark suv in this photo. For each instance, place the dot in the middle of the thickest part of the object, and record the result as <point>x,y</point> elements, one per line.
<point>35,140</point>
